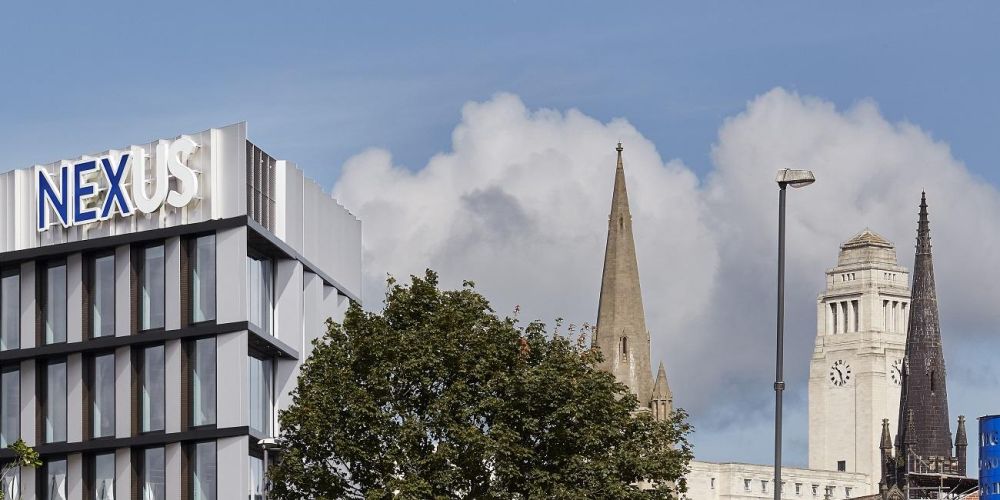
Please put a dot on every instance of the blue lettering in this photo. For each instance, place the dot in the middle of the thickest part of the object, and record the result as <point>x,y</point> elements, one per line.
<point>56,200</point>
<point>83,190</point>
<point>116,195</point>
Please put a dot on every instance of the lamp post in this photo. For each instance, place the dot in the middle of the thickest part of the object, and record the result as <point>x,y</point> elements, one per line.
<point>268,444</point>
<point>796,179</point>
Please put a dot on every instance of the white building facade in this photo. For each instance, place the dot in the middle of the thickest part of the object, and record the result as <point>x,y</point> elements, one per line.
<point>156,303</point>
<point>856,368</point>
<point>737,481</point>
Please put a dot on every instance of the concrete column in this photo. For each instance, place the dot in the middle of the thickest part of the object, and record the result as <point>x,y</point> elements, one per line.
<point>172,282</point>
<point>123,393</point>
<point>123,291</point>
<point>288,302</point>
<point>172,454</point>
<point>74,298</point>
<point>828,317</point>
<point>232,411</point>
<point>233,466</point>
<point>74,477</point>
<point>906,318</point>
<point>231,271</point>
<point>29,402</point>
<point>74,396</point>
<point>28,303</point>
<point>123,473</point>
<point>172,396</point>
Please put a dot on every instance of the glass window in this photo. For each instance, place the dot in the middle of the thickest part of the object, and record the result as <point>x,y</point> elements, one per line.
<point>55,304</point>
<point>154,476</point>
<point>259,283</point>
<point>10,407</point>
<point>260,395</point>
<point>55,480</point>
<point>152,288</point>
<point>10,311</point>
<point>102,296</point>
<point>203,382</point>
<point>152,389</point>
<point>204,485</point>
<point>203,278</point>
<point>55,402</point>
<point>104,477</point>
<point>102,392</point>
<point>12,484</point>
<point>256,478</point>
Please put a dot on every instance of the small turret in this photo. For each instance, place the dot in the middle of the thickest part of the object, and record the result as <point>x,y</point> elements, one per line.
<point>662,400</point>
<point>887,461</point>
<point>961,445</point>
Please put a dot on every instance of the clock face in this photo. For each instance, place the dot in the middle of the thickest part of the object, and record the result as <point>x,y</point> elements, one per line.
<point>896,372</point>
<point>840,373</point>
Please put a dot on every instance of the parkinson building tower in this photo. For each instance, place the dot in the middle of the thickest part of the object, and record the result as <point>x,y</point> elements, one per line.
<point>621,333</point>
<point>855,374</point>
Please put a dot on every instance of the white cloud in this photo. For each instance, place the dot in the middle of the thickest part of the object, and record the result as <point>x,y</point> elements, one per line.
<point>520,206</point>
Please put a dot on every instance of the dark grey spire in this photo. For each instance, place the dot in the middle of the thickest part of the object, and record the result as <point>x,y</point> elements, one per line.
<point>923,405</point>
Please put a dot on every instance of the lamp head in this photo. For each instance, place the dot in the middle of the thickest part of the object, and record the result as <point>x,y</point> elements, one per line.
<point>795,178</point>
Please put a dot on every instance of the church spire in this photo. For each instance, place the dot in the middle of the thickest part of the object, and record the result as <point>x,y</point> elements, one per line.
<point>621,333</point>
<point>924,396</point>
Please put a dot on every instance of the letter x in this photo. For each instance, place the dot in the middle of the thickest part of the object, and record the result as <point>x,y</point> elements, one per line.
<point>116,195</point>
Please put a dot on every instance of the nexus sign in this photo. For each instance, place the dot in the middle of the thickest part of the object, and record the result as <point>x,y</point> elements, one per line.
<point>96,190</point>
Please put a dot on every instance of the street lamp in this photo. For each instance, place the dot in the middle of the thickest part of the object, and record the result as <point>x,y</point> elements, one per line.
<point>796,179</point>
<point>267,444</point>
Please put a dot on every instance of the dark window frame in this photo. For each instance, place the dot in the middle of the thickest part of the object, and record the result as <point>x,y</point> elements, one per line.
<point>188,349</point>
<point>255,353</point>
<point>89,282</point>
<point>139,266</point>
<point>187,467</point>
<point>188,248</point>
<point>5,370</point>
<point>42,485</point>
<point>138,372</point>
<point>270,328</point>
<point>41,298</point>
<point>42,391</point>
<point>7,272</point>
<point>89,375</point>
<point>90,472</point>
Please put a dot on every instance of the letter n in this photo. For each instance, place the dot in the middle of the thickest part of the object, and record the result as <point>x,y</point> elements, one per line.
<point>48,196</point>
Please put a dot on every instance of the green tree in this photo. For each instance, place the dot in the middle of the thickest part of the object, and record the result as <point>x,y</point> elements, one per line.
<point>438,397</point>
<point>24,456</point>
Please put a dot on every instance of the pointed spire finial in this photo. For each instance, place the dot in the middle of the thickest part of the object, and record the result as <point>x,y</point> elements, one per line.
<point>621,164</point>
<point>886,444</point>
<point>961,439</point>
<point>923,227</point>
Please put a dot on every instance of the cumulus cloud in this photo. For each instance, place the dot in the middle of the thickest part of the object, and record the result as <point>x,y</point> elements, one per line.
<point>520,206</point>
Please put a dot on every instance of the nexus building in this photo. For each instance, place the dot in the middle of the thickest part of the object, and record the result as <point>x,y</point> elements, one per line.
<point>156,302</point>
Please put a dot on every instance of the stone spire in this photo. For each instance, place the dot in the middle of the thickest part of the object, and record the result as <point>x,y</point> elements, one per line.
<point>961,445</point>
<point>621,333</point>
<point>662,400</point>
<point>924,397</point>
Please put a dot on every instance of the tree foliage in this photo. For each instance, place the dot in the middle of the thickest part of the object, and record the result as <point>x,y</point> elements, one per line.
<point>24,456</point>
<point>438,397</point>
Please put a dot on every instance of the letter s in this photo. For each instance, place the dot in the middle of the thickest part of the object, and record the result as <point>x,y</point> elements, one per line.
<point>177,157</point>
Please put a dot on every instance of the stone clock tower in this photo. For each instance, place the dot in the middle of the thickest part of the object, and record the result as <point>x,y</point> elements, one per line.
<point>855,373</point>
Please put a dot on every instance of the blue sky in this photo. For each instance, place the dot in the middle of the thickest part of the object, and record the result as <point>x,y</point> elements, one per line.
<point>321,82</point>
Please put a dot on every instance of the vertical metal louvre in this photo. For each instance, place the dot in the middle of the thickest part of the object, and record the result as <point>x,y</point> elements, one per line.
<point>261,171</point>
